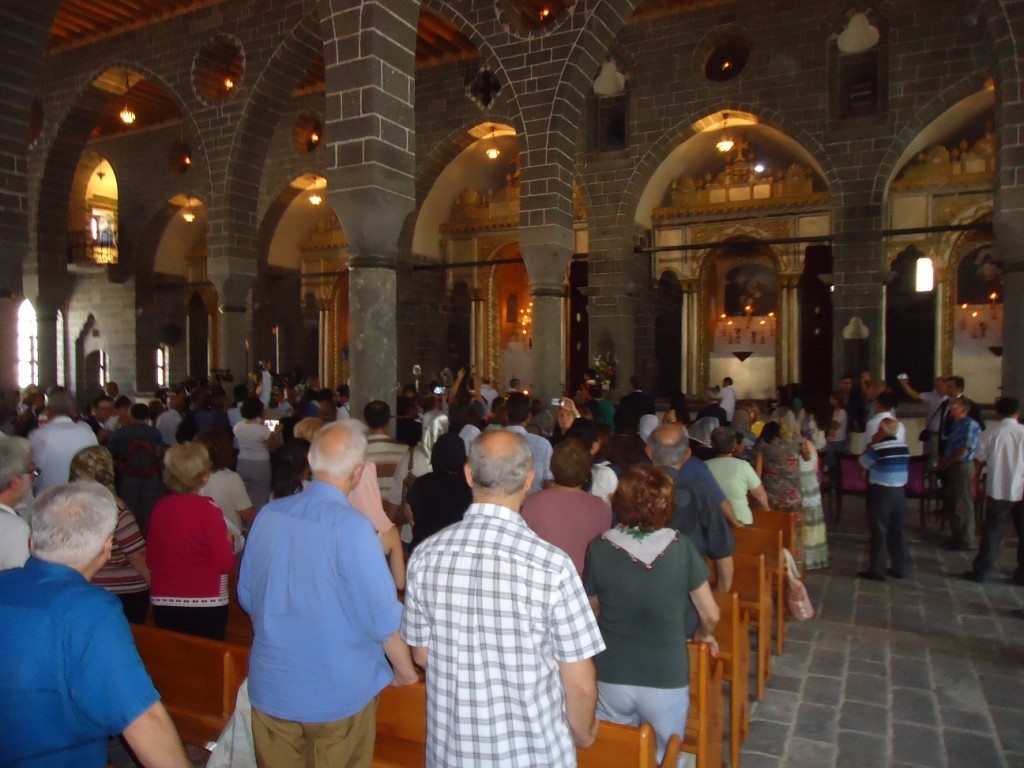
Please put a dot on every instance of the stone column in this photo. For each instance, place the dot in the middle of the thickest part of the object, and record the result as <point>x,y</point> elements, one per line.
<point>46,336</point>
<point>548,348</point>
<point>233,279</point>
<point>690,336</point>
<point>1013,331</point>
<point>547,251</point>
<point>373,348</point>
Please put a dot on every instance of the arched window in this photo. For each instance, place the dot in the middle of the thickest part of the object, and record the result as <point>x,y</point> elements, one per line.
<point>28,345</point>
<point>61,347</point>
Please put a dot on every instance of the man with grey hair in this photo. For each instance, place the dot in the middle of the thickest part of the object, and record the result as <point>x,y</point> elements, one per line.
<point>16,474</point>
<point>887,462</point>
<point>56,442</point>
<point>491,607</point>
<point>699,514</point>
<point>325,616</point>
<point>72,676</point>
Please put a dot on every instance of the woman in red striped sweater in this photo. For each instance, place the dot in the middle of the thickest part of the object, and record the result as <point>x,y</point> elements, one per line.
<point>189,550</point>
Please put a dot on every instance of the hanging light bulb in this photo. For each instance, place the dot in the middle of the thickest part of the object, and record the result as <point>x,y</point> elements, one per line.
<point>725,143</point>
<point>188,214</point>
<point>229,83</point>
<point>314,196</point>
<point>492,151</point>
<point>126,114</point>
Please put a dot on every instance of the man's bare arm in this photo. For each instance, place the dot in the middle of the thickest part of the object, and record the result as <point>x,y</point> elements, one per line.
<point>401,660</point>
<point>419,655</point>
<point>154,740</point>
<point>725,568</point>
<point>580,681</point>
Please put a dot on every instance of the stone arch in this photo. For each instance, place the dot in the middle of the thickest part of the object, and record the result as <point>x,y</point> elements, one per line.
<point>48,216</point>
<point>271,91</point>
<point>659,151</point>
<point>593,41</point>
<point>924,117</point>
<point>429,172</point>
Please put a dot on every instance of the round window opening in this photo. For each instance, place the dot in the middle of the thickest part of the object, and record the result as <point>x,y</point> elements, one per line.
<point>217,69</point>
<point>726,61</point>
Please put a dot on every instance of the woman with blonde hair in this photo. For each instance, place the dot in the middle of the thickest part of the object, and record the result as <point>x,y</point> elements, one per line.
<point>125,575</point>
<point>190,551</point>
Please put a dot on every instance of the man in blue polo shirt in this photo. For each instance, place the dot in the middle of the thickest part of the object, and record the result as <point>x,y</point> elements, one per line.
<point>887,461</point>
<point>957,462</point>
<point>325,614</point>
<point>70,676</point>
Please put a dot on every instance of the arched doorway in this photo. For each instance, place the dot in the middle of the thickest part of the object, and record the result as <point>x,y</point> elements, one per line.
<point>909,324</point>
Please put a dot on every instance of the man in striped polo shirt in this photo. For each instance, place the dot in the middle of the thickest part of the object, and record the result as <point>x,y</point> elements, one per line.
<point>887,462</point>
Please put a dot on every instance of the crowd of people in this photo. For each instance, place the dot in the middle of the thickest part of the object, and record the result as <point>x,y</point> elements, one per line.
<point>557,555</point>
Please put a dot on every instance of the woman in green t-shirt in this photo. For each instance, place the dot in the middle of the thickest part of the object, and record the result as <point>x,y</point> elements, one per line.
<point>640,577</point>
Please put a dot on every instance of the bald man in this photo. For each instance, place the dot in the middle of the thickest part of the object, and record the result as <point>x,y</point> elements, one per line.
<point>313,558</point>
<point>490,607</point>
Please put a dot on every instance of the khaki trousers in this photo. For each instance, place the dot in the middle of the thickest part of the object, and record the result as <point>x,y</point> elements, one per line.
<point>346,743</point>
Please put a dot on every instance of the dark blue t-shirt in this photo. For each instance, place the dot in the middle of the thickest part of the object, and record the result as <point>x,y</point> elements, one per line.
<point>70,675</point>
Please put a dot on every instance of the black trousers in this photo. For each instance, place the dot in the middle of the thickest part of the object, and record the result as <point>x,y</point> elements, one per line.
<point>204,622</point>
<point>887,513</point>
<point>136,606</point>
<point>996,512</point>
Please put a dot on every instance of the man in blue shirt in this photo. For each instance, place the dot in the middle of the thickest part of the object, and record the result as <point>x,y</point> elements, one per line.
<point>887,462</point>
<point>325,614</point>
<point>957,462</point>
<point>70,676</point>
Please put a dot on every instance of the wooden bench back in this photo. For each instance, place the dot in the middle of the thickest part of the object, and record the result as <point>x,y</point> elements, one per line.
<point>197,678</point>
<point>705,719</point>
<point>752,541</point>
<point>790,522</point>
<point>733,635</point>
<point>618,746</point>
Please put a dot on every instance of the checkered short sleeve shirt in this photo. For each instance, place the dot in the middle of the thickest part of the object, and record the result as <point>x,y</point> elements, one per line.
<point>498,608</point>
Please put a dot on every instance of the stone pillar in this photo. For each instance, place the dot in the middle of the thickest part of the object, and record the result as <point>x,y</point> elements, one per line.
<point>1013,331</point>
<point>233,279</point>
<point>373,348</point>
<point>689,380</point>
<point>46,335</point>
<point>547,251</point>
<point>548,347</point>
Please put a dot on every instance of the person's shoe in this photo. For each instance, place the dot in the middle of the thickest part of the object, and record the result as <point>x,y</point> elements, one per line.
<point>895,574</point>
<point>977,578</point>
<point>871,575</point>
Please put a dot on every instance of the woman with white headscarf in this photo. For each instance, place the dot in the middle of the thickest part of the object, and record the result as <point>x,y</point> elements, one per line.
<point>648,423</point>
<point>700,437</point>
<point>435,424</point>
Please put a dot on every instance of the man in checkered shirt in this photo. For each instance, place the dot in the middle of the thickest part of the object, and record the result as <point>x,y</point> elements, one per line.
<point>501,623</point>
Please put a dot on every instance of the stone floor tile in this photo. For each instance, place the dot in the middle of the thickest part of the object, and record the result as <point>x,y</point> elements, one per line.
<point>1001,691</point>
<point>786,683</point>
<point>822,690</point>
<point>861,750</point>
<point>914,706</point>
<point>965,720</point>
<point>766,737</point>
<point>910,673</point>
<point>778,706</point>
<point>971,750</point>
<point>804,753</point>
<point>865,718</point>
<point>759,760</point>
<point>1010,728</point>
<point>867,667</point>
<point>816,722</point>
<point>917,744</point>
<point>869,688</point>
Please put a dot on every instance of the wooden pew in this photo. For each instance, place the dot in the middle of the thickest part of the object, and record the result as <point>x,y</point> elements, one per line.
<point>705,721</point>
<point>401,737</point>
<point>401,727</point>
<point>753,542</point>
<point>733,636</point>
<point>791,523</point>
<point>197,678</point>
<point>750,580</point>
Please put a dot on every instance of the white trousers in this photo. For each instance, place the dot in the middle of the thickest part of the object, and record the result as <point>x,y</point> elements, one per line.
<point>664,708</point>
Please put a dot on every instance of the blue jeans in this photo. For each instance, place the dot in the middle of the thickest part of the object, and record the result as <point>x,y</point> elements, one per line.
<point>664,708</point>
